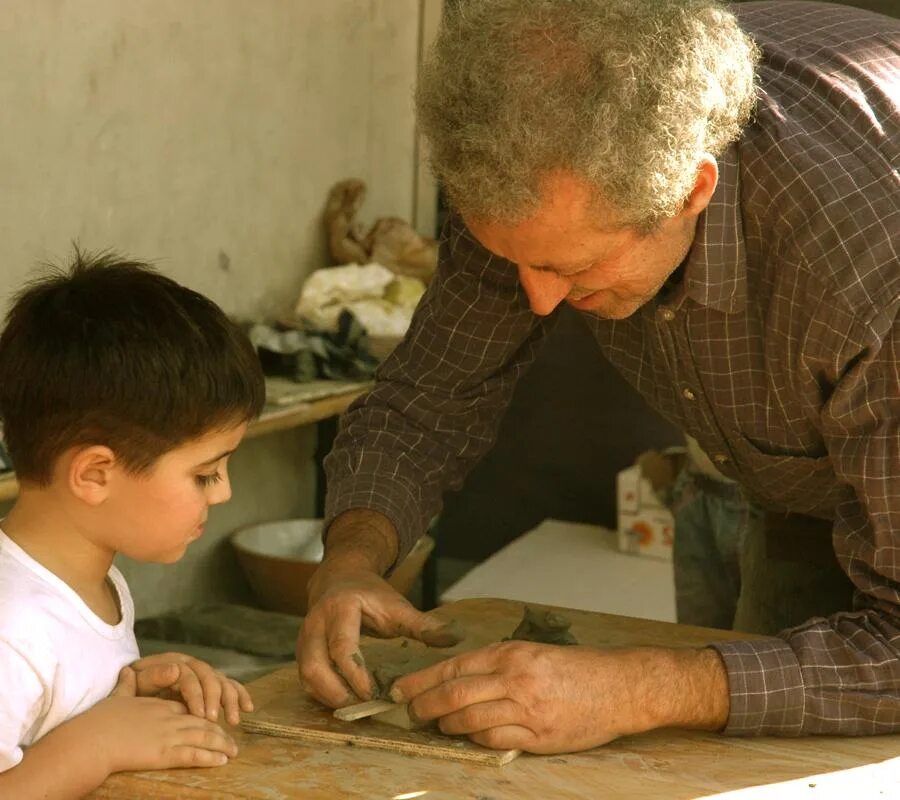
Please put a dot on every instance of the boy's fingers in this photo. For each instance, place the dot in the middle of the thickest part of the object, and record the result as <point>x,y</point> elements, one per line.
<point>211,681</point>
<point>186,756</point>
<point>246,700</point>
<point>127,683</point>
<point>230,702</point>
<point>192,692</point>
<point>155,677</point>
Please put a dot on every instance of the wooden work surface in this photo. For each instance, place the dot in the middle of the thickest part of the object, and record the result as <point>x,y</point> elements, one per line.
<point>669,765</point>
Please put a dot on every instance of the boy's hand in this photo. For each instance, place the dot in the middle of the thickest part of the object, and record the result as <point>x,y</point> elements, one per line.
<point>136,733</point>
<point>202,688</point>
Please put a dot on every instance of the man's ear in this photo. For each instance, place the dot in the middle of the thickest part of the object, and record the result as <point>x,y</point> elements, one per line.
<point>704,186</point>
<point>90,473</point>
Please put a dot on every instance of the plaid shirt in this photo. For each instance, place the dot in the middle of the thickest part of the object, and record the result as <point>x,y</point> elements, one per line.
<point>779,350</point>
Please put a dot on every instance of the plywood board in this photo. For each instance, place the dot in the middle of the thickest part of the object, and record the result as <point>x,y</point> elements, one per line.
<point>285,709</point>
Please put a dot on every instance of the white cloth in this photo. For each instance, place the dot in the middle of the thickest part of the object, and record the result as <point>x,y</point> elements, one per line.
<point>57,657</point>
<point>701,462</point>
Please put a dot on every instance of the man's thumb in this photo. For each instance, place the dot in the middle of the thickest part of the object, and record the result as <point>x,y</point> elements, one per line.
<point>441,634</point>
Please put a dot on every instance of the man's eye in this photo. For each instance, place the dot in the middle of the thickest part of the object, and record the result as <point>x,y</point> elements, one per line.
<point>208,480</point>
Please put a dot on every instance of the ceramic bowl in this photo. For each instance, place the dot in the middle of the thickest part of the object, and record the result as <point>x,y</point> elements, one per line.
<point>279,558</point>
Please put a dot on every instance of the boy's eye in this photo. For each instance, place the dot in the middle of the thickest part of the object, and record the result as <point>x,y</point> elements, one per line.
<point>208,480</point>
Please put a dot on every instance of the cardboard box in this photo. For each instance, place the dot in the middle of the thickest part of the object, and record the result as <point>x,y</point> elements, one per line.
<point>646,527</point>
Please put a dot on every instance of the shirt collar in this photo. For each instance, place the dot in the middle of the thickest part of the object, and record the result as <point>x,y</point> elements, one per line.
<point>716,269</point>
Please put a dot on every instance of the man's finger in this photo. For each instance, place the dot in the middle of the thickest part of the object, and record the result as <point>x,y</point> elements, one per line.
<point>445,634</point>
<point>507,737</point>
<point>476,662</point>
<point>343,625</point>
<point>477,717</point>
<point>315,668</point>
<point>457,694</point>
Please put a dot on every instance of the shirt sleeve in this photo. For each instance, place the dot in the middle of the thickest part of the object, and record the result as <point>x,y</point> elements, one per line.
<point>22,700</point>
<point>841,675</point>
<point>439,396</point>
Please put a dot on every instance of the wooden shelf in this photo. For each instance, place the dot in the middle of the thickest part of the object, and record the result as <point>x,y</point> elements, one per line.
<point>273,418</point>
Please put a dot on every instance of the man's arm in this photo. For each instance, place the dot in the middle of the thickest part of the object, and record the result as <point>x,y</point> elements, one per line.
<point>840,675</point>
<point>432,413</point>
<point>439,396</point>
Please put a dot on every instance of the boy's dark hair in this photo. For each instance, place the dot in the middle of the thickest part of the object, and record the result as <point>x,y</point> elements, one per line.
<point>111,352</point>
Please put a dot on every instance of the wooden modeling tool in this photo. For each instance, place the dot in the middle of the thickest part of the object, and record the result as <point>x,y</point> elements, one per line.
<point>396,714</point>
<point>362,710</point>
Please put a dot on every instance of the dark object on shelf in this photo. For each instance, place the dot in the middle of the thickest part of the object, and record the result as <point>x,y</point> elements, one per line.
<point>310,354</point>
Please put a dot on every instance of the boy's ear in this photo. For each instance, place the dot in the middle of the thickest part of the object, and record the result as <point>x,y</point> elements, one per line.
<point>90,473</point>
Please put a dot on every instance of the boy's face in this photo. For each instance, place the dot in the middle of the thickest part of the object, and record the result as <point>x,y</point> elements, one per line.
<point>156,515</point>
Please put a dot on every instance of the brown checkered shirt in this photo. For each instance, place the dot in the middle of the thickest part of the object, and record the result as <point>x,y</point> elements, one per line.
<point>779,351</point>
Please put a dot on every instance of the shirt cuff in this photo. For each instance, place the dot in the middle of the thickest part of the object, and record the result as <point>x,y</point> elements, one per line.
<point>386,496</point>
<point>765,686</point>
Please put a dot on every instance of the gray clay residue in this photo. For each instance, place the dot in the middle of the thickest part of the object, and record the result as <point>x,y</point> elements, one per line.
<point>546,627</point>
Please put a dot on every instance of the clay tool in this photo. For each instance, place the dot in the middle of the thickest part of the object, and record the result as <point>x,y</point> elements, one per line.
<point>396,714</point>
<point>361,710</point>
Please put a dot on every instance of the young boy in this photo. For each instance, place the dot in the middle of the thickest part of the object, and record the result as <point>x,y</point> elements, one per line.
<point>122,396</point>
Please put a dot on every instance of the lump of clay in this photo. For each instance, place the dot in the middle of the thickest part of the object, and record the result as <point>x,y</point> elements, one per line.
<point>546,627</point>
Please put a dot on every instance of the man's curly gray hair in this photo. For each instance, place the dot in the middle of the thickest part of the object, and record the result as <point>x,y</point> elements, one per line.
<point>627,94</point>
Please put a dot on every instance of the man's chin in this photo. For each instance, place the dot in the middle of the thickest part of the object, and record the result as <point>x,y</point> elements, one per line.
<point>606,306</point>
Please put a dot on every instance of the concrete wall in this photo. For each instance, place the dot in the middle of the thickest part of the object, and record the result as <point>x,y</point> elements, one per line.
<point>200,133</point>
<point>204,135</point>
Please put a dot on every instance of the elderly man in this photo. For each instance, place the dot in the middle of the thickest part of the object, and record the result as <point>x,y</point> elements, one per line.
<point>719,197</point>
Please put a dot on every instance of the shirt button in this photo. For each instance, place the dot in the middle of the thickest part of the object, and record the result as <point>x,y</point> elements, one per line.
<point>687,394</point>
<point>667,314</point>
<point>720,458</point>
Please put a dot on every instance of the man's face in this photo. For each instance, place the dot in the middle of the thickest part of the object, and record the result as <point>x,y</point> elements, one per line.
<point>569,250</point>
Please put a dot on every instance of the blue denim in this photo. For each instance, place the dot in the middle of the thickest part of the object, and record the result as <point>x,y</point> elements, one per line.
<point>710,533</point>
<point>726,576</point>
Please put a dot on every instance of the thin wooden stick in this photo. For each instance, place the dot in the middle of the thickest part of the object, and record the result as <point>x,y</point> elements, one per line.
<point>360,710</point>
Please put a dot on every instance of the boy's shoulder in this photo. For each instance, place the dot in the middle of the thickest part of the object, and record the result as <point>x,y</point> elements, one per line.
<point>32,610</point>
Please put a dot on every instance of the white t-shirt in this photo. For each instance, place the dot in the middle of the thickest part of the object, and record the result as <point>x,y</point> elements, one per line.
<point>57,657</point>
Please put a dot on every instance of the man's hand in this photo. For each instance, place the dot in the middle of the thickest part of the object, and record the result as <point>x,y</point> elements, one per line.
<point>550,699</point>
<point>203,689</point>
<point>342,601</point>
<point>346,593</point>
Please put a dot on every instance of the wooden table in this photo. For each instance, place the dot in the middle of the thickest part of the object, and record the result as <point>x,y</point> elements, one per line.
<point>669,765</point>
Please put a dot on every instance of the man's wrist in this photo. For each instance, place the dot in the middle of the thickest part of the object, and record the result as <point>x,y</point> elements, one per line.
<point>360,539</point>
<point>681,689</point>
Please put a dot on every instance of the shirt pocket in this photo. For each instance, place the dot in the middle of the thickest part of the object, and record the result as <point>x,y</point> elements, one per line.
<point>799,484</point>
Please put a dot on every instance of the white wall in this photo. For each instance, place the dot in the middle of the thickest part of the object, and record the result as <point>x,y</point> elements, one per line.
<point>204,135</point>
<point>200,133</point>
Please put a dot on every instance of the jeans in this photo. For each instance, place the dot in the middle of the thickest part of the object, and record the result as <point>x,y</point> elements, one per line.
<point>738,568</point>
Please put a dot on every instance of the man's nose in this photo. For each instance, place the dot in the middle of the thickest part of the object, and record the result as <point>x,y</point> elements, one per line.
<point>545,289</point>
